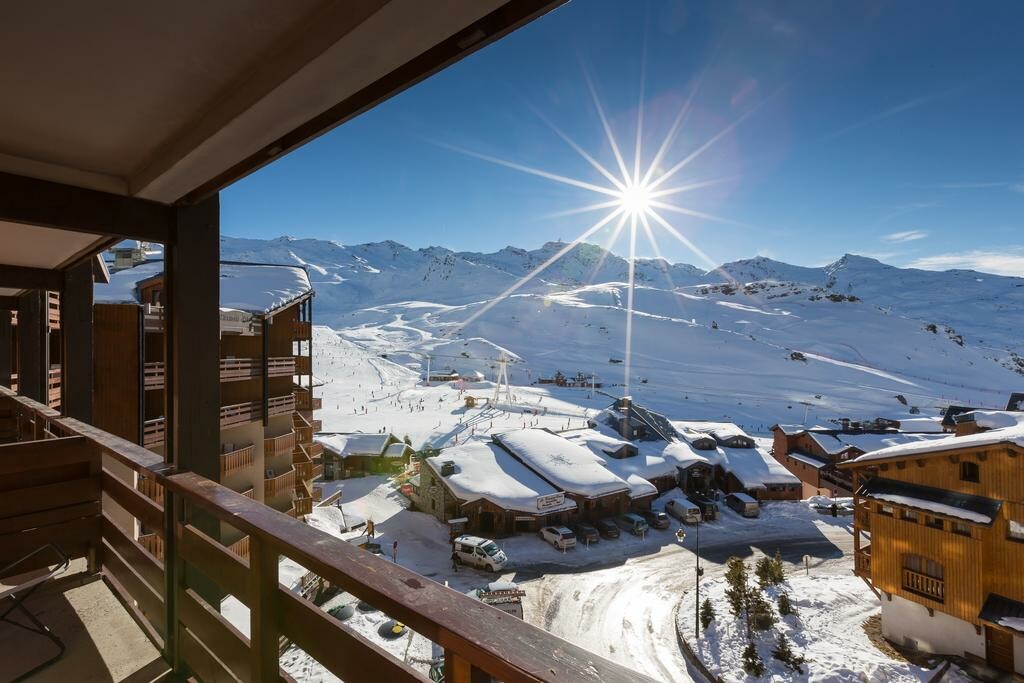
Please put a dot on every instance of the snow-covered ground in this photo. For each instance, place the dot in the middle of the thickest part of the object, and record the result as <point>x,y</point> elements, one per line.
<point>827,629</point>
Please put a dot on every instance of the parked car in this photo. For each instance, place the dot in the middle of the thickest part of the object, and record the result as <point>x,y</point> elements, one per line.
<point>607,527</point>
<point>587,533</point>
<point>743,504</point>
<point>633,523</point>
<point>683,510</point>
<point>558,536</point>
<point>480,552</point>
<point>656,520</point>
<point>708,507</point>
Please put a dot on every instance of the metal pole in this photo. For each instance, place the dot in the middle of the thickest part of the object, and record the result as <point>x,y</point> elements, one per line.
<point>696,603</point>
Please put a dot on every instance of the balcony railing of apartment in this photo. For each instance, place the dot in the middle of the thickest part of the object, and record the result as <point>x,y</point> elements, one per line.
<point>924,585</point>
<point>303,429</point>
<point>303,400</point>
<point>281,405</point>
<point>301,330</point>
<point>153,431</point>
<point>279,483</point>
<point>240,413</point>
<point>315,449</point>
<point>249,493</point>
<point>281,366</point>
<point>302,463</point>
<point>231,369</point>
<point>316,403</point>
<point>82,470</point>
<point>153,318</point>
<point>862,562</point>
<point>241,547</point>
<point>317,425</point>
<point>302,365</point>
<point>238,459</point>
<point>154,545</point>
<point>318,471</point>
<point>53,386</point>
<point>279,444</point>
<point>151,490</point>
<point>53,310</point>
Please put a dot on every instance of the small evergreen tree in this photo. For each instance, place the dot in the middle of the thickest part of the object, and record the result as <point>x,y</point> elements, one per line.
<point>785,604</point>
<point>765,572</point>
<point>707,613</point>
<point>784,653</point>
<point>738,579</point>
<point>778,573</point>
<point>760,615</point>
<point>752,663</point>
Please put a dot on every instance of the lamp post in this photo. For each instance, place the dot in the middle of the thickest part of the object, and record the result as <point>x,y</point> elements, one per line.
<point>698,572</point>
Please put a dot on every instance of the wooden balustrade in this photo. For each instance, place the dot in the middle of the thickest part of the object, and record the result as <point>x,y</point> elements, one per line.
<point>304,505</point>
<point>318,471</point>
<point>53,386</point>
<point>53,310</point>
<point>281,366</point>
<point>317,403</point>
<point>250,493</point>
<point>191,634</point>
<point>303,400</point>
<point>279,444</point>
<point>862,562</point>
<point>279,483</point>
<point>241,547</point>
<point>151,490</point>
<point>240,413</point>
<point>317,425</point>
<point>922,584</point>
<point>153,431</point>
<point>153,374</point>
<point>303,365</point>
<point>237,459</point>
<point>301,330</point>
<point>154,545</point>
<point>315,449</point>
<point>231,369</point>
<point>281,405</point>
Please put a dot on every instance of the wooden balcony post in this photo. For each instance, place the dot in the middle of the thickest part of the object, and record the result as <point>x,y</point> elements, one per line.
<point>459,670</point>
<point>173,575</point>
<point>265,375</point>
<point>33,349</point>
<point>264,630</point>
<point>6,348</point>
<point>76,325</point>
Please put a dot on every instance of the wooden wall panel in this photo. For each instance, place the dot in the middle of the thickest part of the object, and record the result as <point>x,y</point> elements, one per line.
<point>116,378</point>
<point>281,331</point>
<point>1002,477</point>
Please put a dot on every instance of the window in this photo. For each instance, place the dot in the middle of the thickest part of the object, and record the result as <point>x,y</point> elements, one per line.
<point>962,528</point>
<point>909,516</point>
<point>969,471</point>
<point>1015,530</point>
<point>924,577</point>
<point>934,523</point>
<point>885,510</point>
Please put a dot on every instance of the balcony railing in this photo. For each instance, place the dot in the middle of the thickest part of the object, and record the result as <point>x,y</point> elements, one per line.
<point>318,471</point>
<point>240,413</point>
<point>924,585</point>
<point>281,366</point>
<point>301,330</point>
<point>303,365</point>
<point>152,490</point>
<point>303,429</point>
<point>862,562</point>
<point>316,403</point>
<point>279,483</point>
<point>53,386</point>
<point>303,400</point>
<point>479,642</point>
<point>281,405</point>
<point>241,547</point>
<point>249,493</point>
<point>154,545</point>
<point>53,310</point>
<point>153,431</point>
<point>302,463</point>
<point>315,450</point>
<point>240,458</point>
<point>231,369</point>
<point>317,425</point>
<point>279,444</point>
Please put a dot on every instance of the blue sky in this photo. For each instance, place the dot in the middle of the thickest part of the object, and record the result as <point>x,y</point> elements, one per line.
<point>889,129</point>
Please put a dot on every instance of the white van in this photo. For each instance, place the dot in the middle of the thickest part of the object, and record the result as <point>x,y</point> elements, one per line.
<point>743,504</point>
<point>683,510</point>
<point>479,552</point>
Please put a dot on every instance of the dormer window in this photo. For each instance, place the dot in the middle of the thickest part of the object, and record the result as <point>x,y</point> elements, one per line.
<point>969,471</point>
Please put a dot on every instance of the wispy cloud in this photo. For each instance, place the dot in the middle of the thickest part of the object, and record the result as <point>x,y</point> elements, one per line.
<point>906,236</point>
<point>1012,185</point>
<point>894,110</point>
<point>1002,262</point>
<point>1017,187</point>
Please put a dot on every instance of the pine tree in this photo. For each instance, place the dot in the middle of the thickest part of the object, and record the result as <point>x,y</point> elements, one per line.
<point>760,615</point>
<point>752,663</point>
<point>765,572</point>
<point>707,613</point>
<point>784,653</point>
<point>737,578</point>
<point>779,573</point>
<point>785,604</point>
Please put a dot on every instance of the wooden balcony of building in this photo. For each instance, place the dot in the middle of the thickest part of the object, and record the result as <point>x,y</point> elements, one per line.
<point>157,617</point>
<point>276,445</point>
<point>924,585</point>
<point>241,547</point>
<point>303,501</point>
<point>153,318</point>
<point>153,431</point>
<point>237,459</point>
<point>282,366</point>
<point>53,310</point>
<point>303,399</point>
<point>862,563</point>
<point>231,370</point>
<point>303,365</point>
<point>318,471</point>
<point>240,413</point>
<point>303,429</point>
<point>152,490</point>
<point>317,425</point>
<point>301,330</point>
<point>279,483</point>
<point>316,403</point>
<point>249,493</point>
<point>302,463</point>
<point>315,449</point>
<point>281,405</point>
<point>53,386</point>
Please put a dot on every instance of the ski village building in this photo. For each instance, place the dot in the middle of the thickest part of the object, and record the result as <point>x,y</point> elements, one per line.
<point>265,447</point>
<point>359,454</point>
<point>939,535</point>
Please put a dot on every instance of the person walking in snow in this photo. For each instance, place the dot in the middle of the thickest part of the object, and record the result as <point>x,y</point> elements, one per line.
<point>455,561</point>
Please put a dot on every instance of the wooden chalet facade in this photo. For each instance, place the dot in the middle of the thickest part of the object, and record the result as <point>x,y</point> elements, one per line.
<point>939,535</point>
<point>357,454</point>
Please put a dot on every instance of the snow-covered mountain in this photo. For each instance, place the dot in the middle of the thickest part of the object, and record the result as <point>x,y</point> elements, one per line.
<point>751,340</point>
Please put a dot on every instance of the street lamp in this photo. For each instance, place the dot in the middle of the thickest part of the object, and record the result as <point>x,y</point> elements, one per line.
<point>680,536</point>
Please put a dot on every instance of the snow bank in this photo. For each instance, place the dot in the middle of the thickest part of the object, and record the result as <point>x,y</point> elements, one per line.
<point>486,471</point>
<point>994,419</point>
<point>567,465</point>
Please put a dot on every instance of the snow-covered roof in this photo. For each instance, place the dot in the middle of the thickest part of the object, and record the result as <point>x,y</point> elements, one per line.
<point>754,468</point>
<point>344,445</point>
<point>806,459</point>
<point>921,424</point>
<point>486,471</point>
<point>396,450</point>
<point>868,442</point>
<point>790,430</point>
<point>250,287</point>
<point>829,443</point>
<point>652,461</point>
<point>565,464</point>
<point>992,419</point>
<point>1011,435</point>
<point>971,508</point>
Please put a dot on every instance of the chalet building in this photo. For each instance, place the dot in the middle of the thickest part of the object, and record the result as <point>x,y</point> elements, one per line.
<point>570,469</point>
<point>134,141</point>
<point>265,446</point>
<point>358,454</point>
<point>939,535</point>
<point>813,454</point>
<point>496,494</point>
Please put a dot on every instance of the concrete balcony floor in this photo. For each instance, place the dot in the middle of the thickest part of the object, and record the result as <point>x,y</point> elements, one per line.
<point>103,643</point>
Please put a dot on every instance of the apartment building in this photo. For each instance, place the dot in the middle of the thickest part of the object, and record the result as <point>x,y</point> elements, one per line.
<point>939,535</point>
<point>265,448</point>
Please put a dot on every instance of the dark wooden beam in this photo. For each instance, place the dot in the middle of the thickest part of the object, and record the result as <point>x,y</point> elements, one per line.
<point>33,346</point>
<point>481,33</point>
<point>76,326</point>
<point>8,303</point>
<point>66,207</point>
<point>6,346</point>
<point>21,277</point>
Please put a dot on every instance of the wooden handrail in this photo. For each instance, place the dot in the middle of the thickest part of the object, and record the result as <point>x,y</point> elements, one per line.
<point>279,444</point>
<point>279,405</point>
<point>925,585</point>
<point>237,459</point>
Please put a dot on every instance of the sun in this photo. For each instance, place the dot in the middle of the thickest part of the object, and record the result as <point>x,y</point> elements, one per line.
<point>636,199</point>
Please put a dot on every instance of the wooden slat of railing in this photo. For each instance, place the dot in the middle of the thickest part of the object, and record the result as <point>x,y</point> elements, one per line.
<point>72,536</point>
<point>135,589</point>
<point>218,563</point>
<point>216,633</point>
<point>125,452</point>
<point>136,503</point>
<point>39,498</point>
<point>148,567</point>
<point>205,666</point>
<point>264,630</point>
<point>49,516</point>
<point>505,647</point>
<point>345,653</point>
<point>22,456</point>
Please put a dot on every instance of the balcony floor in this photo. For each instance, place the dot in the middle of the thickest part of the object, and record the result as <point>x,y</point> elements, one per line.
<point>103,643</point>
